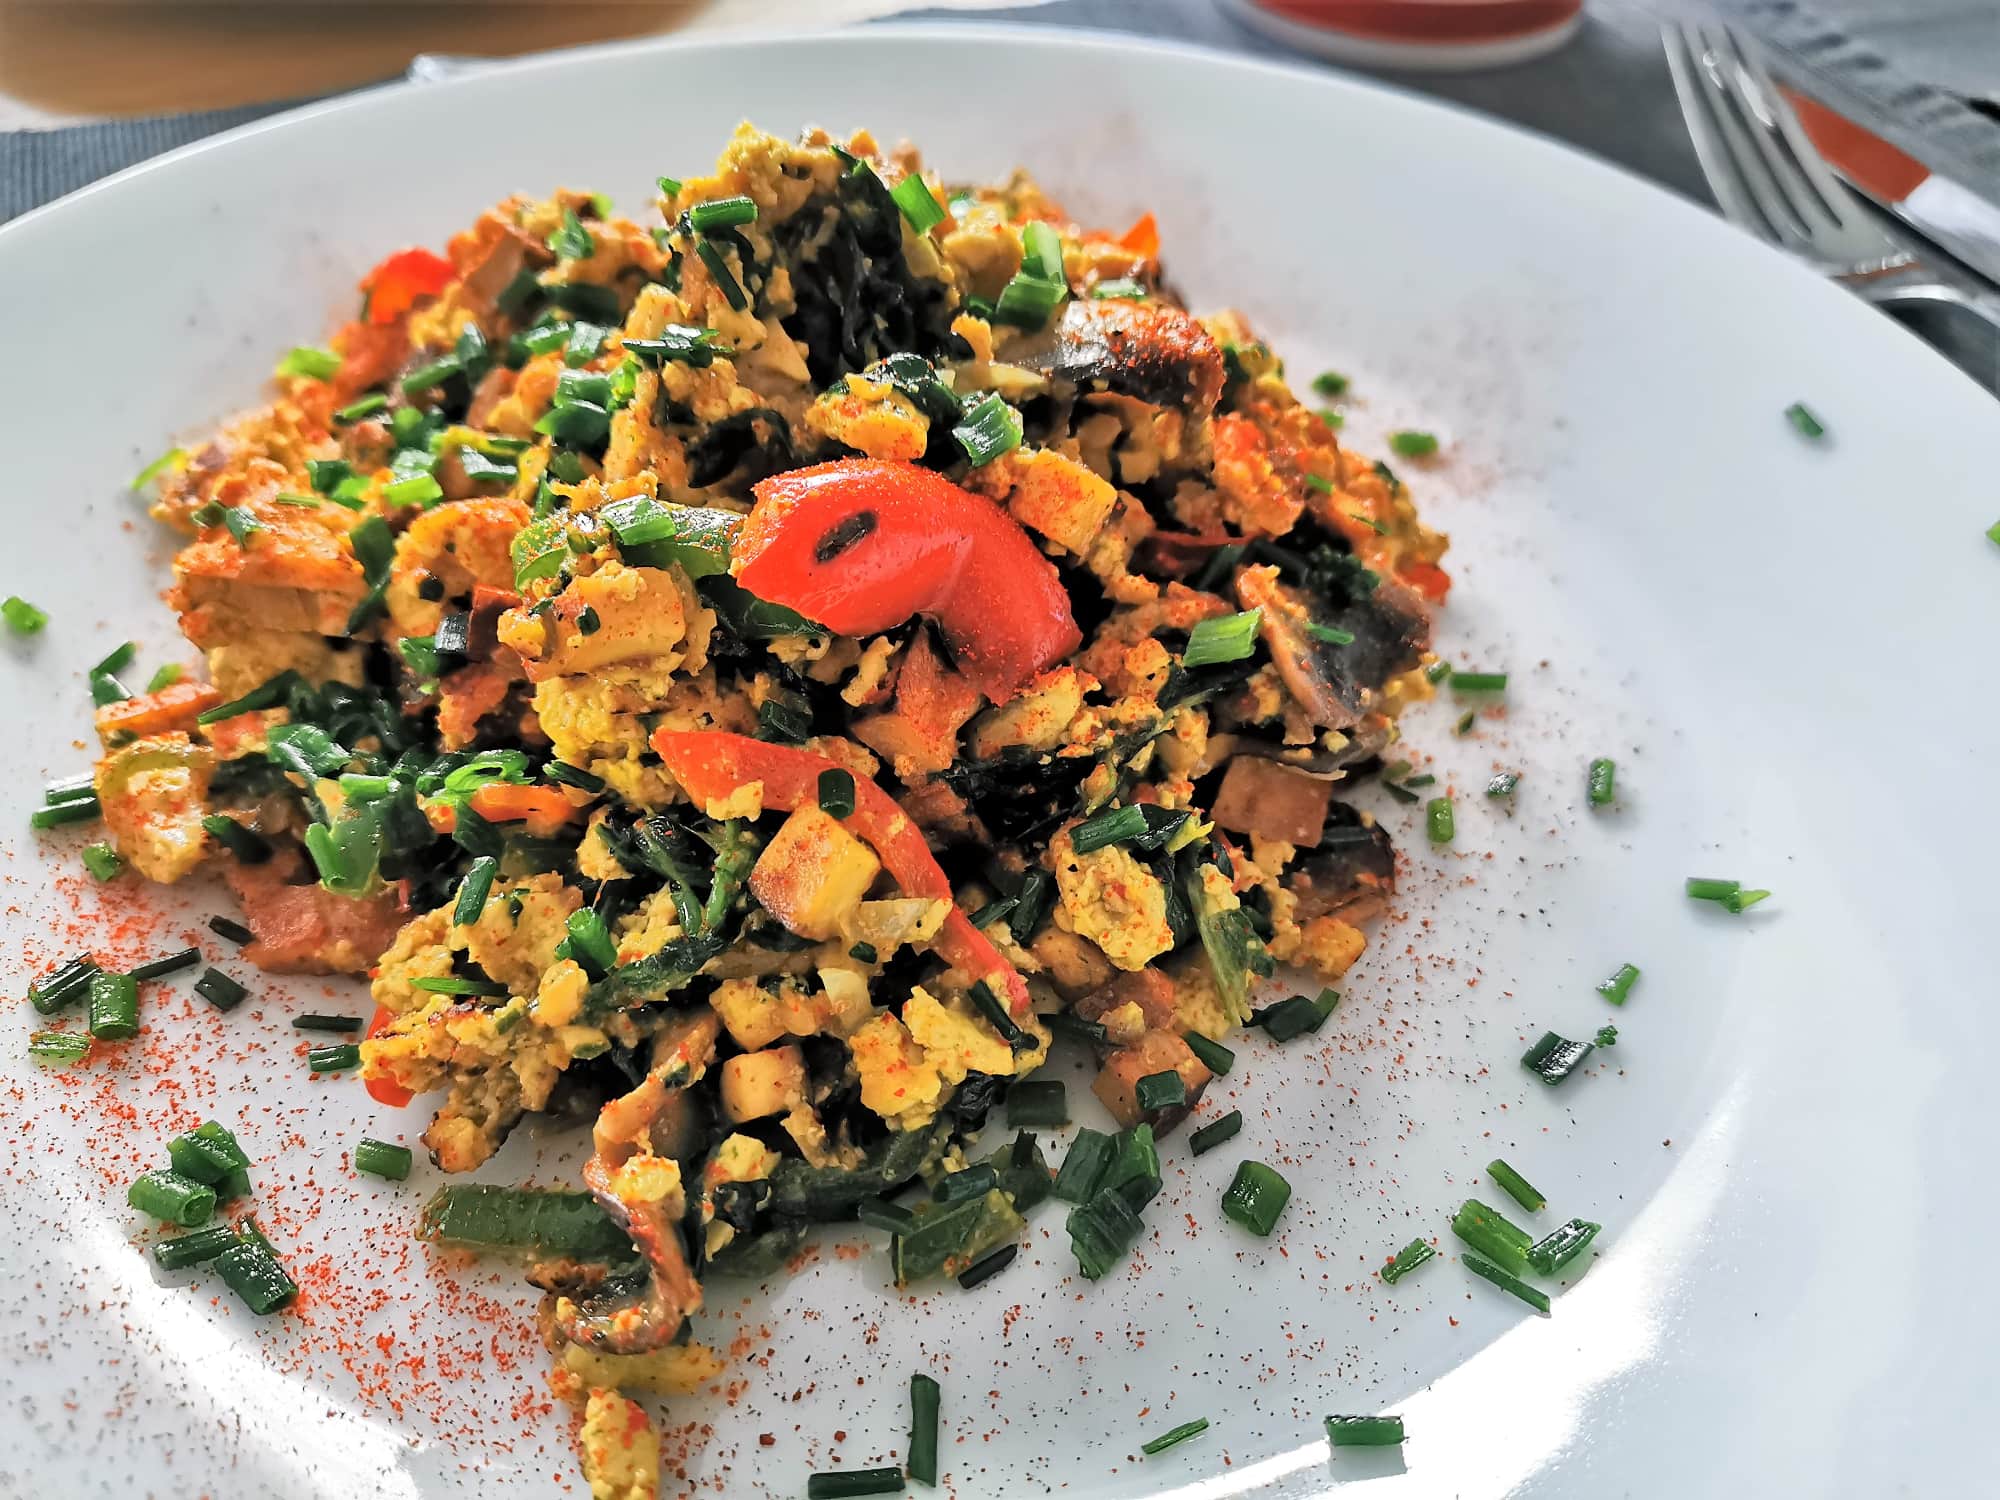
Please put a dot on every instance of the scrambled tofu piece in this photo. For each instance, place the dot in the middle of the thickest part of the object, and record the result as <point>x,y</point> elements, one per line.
<point>254,657</point>
<point>898,1079</point>
<point>760,1012</point>
<point>872,417</point>
<point>1053,496</point>
<point>756,1085</point>
<point>958,1040</point>
<point>1036,719</point>
<point>292,575</point>
<point>813,873</point>
<point>674,1370</point>
<point>514,941</point>
<point>621,1452</point>
<point>1112,899</point>
<point>153,794</point>
<point>456,545</point>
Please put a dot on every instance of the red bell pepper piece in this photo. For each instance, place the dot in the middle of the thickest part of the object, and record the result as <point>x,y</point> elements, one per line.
<point>710,765</point>
<point>394,285</point>
<point>1143,238</point>
<point>1427,579</point>
<point>385,1090</point>
<point>863,544</point>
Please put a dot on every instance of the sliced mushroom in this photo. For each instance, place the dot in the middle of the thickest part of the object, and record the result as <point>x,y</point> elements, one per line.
<point>1350,874</point>
<point>1152,351</point>
<point>1335,683</point>
<point>631,1316</point>
<point>1272,800</point>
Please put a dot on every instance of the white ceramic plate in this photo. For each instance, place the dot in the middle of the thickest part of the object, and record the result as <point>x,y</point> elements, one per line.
<point>1780,642</point>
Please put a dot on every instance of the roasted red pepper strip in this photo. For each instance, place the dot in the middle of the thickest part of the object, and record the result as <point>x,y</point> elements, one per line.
<point>863,544</point>
<point>711,765</point>
<point>385,1090</point>
<point>394,285</point>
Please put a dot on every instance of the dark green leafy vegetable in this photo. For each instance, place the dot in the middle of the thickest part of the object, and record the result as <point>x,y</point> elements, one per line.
<point>1101,1233</point>
<point>1038,1102</point>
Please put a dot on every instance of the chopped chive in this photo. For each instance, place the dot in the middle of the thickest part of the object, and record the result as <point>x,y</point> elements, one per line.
<point>1602,782</point>
<point>1179,1434</point>
<point>172,963</point>
<point>81,810</point>
<point>913,196</point>
<point>882,1214</point>
<point>1157,1091</point>
<point>1256,1197</point>
<point>1478,682</point>
<point>165,677</point>
<point>168,1196</point>
<point>1493,1234</point>
<point>119,659</point>
<point>315,1021</point>
<point>1089,1154</point>
<point>669,187</point>
<point>1607,1036</point>
<point>565,774</point>
<point>1739,901</point>
<point>991,1265</point>
<point>1413,444</point>
<point>1480,1266</point>
<point>1619,985</point>
<point>58,1046</point>
<point>1561,1246</point>
<point>102,861</point>
<point>436,373</point>
<point>1222,638</point>
<point>1503,784</point>
<point>1031,905</point>
<point>988,429</point>
<point>1295,1015</point>
<point>1807,424</point>
<point>1364,1432</point>
<point>842,1484</point>
<point>1333,416</point>
<point>381,1159</point>
<point>1702,889</point>
<point>355,411</point>
<point>219,990</point>
<point>1427,779</point>
<point>925,1399</point>
<point>248,845</point>
<point>472,894</point>
<point>973,1182</point>
<point>1331,635</point>
<point>991,1006</point>
<point>721,213</point>
<point>1437,671</point>
<point>308,362</point>
<point>572,241</point>
<point>236,932</point>
<point>62,986</point>
<point>1120,289</point>
<point>1213,1056</point>
<point>173,458</point>
<point>1407,1260</point>
<point>1092,1033</point>
<point>191,1249</point>
<point>1439,820</point>
<point>836,793</point>
<point>1319,484</point>
<point>1038,1102</point>
<point>1215,1132</point>
<point>114,1006</point>
<point>200,1160</point>
<point>1993,533</point>
<point>252,1272</point>
<point>69,789</point>
<point>337,1057</point>
<point>1388,476</point>
<point>1113,826</point>
<point>1554,1057</point>
<point>106,689</point>
<point>1101,1233</point>
<point>418,489</point>
<point>1516,1186</point>
<point>725,280</point>
<point>451,984</point>
<point>864,953</point>
<point>1465,722</point>
<point>1330,383</point>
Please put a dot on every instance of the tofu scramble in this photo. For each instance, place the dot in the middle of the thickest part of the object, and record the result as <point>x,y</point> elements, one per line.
<point>754,681</point>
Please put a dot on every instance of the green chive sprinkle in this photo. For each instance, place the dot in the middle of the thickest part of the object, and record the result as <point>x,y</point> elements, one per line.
<point>1179,1434</point>
<point>1439,820</point>
<point>1993,533</point>
<point>1516,1186</point>
<point>914,198</point>
<point>165,677</point>
<point>114,1006</point>
<point>1480,1266</point>
<point>1493,1234</point>
<point>472,894</point>
<point>1364,1432</point>
<point>192,1249</point>
<point>864,952</point>
<point>1738,902</point>
<point>1607,1036</point>
<point>1330,383</point>
<point>367,406</point>
<point>988,428</point>
<point>836,793</point>
<point>842,1484</point>
<point>1120,289</point>
<point>314,1021</point>
<point>1704,889</point>
<point>1222,639</point>
<point>1407,1260</point>
<point>1256,1197</point>
<point>1213,1056</point>
<point>1619,985</point>
<point>308,362</point>
<point>173,458</point>
<point>451,984</point>
<point>102,861</point>
<point>335,1058</point>
<point>78,810</point>
<point>1478,682</point>
<point>219,990</point>
<point>721,213</point>
<point>59,1047</point>
<point>1413,444</point>
<point>1332,635</point>
<point>1503,784</point>
<point>1437,671</point>
<point>1602,782</point>
<point>1808,425</point>
<point>21,616</point>
<point>1557,1249</point>
<point>925,1398</point>
<point>381,1159</point>
<point>1554,1057</point>
<point>172,963</point>
<point>1215,1132</point>
<point>170,1197</point>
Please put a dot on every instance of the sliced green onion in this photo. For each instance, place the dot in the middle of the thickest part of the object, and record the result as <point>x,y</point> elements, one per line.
<point>199,1159</point>
<point>1807,424</point>
<point>165,677</point>
<point>1619,985</point>
<point>355,411</point>
<point>252,1272</point>
<point>1101,1233</point>
<point>1215,1132</point>
<point>62,986</point>
<point>721,213</point>
<point>725,280</point>
<point>191,1249</point>
<point>172,963</point>
<point>882,1214</point>
<point>248,845</point>
<point>1113,826</point>
<point>69,789</point>
<point>1554,1057</point>
<point>1480,1266</point>
<point>1179,1434</point>
<point>1213,1056</point>
<point>1503,784</point>
<point>992,912</point>
<point>1331,635</point>
<point>58,1046</point>
<point>925,1399</point>
<point>236,932</point>
<point>842,1484</point>
<point>1157,1091</point>
<point>173,458</point>
<point>219,990</point>
<point>381,1159</point>
<point>104,689</point>
<point>418,489</point>
<point>1027,301</point>
<point>669,187</point>
<point>473,1216</point>
<point>436,373</point>
<point>119,659</point>
<point>973,1182</point>
<point>114,1006</point>
<point>1516,1186</point>
<point>1465,722</point>
<point>913,197</point>
<point>1739,901</point>
<point>472,894</point>
<point>451,984</point>
<point>991,1265</point>
<point>1256,1197</point>
<point>1223,638</point>
<point>1120,289</point>
<point>572,241</point>
<point>864,952</point>
<point>1038,1102</point>
<point>1478,682</point>
<point>1492,1234</point>
<point>315,1021</point>
<point>1557,1249</point>
<point>1602,782</point>
<point>1439,820</point>
<point>1993,533</point>
<point>21,616</point>
<point>1319,484</point>
<point>1702,889</point>
<point>1295,1015</point>
<point>168,1196</point>
<point>102,861</point>
<point>1437,671</point>
<point>1364,1432</point>
<point>1413,444</point>
<point>81,810</point>
<point>836,793</point>
<point>995,1011</point>
<point>308,362</point>
<point>1089,1154</point>
<point>988,429</point>
<point>1407,1260</point>
<point>1133,1172</point>
<point>1607,1036</point>
<point>1090,1033</point>
<point>336,1057</point>
<point>1330,383</point>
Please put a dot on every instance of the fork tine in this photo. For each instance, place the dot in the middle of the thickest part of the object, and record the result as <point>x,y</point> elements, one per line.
<point>1760,124</point>
<point>1833,193</point>
<point>1718,163</point>
<point>1739,130</point>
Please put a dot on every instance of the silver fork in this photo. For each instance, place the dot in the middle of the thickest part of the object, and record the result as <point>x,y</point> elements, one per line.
<point>1769,179</point>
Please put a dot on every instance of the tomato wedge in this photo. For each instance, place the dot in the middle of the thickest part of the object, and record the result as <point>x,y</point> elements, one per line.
<point>385,1090</point>
<point>396,282</point>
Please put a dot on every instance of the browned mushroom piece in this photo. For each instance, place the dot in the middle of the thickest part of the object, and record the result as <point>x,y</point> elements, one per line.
<point>1117,1084</point>
<point>1351,873</point>
<point>1335,681</point>
<point>1272,800</point>
<point>1151,351</point>
<point>631,1316</point>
